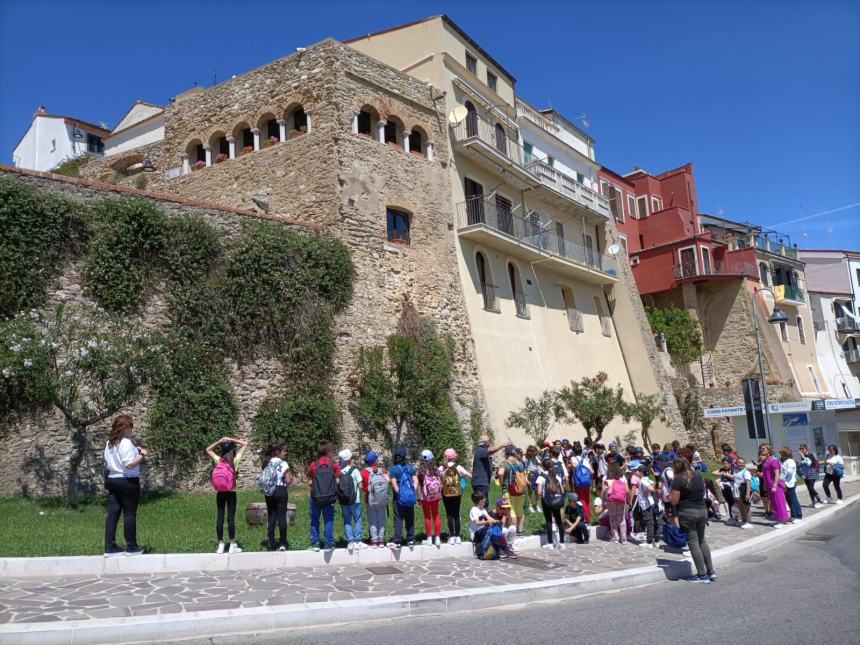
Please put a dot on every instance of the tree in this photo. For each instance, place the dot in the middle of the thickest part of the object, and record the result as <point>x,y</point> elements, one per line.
<point>591,402</point>
<point>536,417</point>
<point>83,362</point>
<point>648,409</point>
<point>683,332</point>
<point>406,385</point>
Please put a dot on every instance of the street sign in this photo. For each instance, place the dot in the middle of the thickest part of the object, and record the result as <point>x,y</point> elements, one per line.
<point>731,411</point>
<point>840,404</point>
<point>791,406</point>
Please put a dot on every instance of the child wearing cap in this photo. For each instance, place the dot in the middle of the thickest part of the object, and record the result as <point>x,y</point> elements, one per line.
<point>574,519</point>
<point>374,483</point>
<point>232,451</point>
<point>351,512</point>
<point>507,478</point>
<point>453,477</point>
<point>430,494</point>
<point>509,529</point>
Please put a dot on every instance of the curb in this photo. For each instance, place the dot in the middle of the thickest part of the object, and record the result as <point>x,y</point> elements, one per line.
<point>260,619</point>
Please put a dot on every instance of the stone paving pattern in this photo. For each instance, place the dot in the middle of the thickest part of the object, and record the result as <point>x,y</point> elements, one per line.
<point>86,597</point>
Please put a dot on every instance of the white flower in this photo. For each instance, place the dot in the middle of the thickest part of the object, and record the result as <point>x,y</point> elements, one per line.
<point>15,349</point>
<point>42,342</point>
<point>92,343</point>
<point>28,362</point>
<point>7,372</point>
<point>67,373</point>
<point>55,345</point>
<point>25,340</point>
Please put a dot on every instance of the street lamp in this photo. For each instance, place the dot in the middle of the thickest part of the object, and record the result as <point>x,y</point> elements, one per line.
<point>778,316</point>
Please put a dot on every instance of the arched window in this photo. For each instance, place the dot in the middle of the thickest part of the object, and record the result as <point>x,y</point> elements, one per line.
<point>763,273</point>
<point>517,291</point>
<point>488,290</point>
<point>244,138</point>
<point>270,131</point>
<point>220,147</point>
<point>471,120</point>
<point>392,131</point>
<point>297,122</point>
<point>416,143</point>
<point>800,333</point>
<point>398,223</point>
<point>196,154</point>
<point>501,139</point>
<point>367,120</point>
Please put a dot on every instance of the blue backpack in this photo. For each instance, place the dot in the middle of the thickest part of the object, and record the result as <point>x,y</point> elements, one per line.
<point>405,490</point>
<point>488,547</point>
<point>674,537</point>
<point>581,476</point>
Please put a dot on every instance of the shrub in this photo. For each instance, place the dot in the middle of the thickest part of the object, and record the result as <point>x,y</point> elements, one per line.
<point>683,332</point>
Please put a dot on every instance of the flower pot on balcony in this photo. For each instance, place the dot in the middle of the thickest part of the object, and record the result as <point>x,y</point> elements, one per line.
<point>256,513</point>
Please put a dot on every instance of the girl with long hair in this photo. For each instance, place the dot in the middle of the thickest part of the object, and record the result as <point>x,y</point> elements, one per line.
<point>224,481</point>
<point>688,496</point>
<point>276,503</point>
<point>616,494</point>
<point>430,492</point>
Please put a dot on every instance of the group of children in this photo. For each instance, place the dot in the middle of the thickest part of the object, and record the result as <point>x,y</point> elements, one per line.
<point>630,492</point>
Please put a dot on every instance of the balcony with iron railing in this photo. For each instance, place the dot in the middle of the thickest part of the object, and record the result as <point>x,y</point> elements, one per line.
<point>728,268</point>
<point>778,248</point>
<point>847,325</point>
<point>483,220</point>
<point>563,185</point>
<point>493,148</point>
<point>791,294</point>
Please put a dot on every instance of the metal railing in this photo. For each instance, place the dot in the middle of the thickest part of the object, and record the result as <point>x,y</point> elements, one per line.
<point>574,319</point>
<point>847,324</point>
<point>521,305</point>
<point>531,230</point>
<point>852,355</point>
<point>606,325</point>
<point>719,267</point>
<point>568,186</point>
<point>476,127</point>
<point>792,292</point>
<point>491,296</point>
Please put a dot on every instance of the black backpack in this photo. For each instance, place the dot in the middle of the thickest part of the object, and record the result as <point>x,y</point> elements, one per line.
<point>324,487</point>
<point>346,492</point>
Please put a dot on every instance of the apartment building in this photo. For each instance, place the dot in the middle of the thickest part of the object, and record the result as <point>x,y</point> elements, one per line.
<point>546,298</point>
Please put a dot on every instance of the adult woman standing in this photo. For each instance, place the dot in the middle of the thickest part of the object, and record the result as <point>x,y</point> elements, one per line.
<point>833,472</point>
<point>122,481</point>
<point>687,496</point>
<point>775,488</point>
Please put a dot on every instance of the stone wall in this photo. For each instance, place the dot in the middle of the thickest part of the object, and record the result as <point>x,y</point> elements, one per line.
<point>329,180</point>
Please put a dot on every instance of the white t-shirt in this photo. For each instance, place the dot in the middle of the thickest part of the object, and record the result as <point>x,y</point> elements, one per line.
<point>283,467</point>
<point>645,497</point>
<point>835,459</point>
<point>475,514</point>
<point>788,473</point>
<point>740,477</point>
<point>666,478</point>
<point>460,470</point>
<point>119,456</point>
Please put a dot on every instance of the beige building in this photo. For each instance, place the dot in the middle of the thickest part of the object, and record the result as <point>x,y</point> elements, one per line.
<point>547,300</point>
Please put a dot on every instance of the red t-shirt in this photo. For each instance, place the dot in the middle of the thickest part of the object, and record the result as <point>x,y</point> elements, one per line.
<point>312,469</point>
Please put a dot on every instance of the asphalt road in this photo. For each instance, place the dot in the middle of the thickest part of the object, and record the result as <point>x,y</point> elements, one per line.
<point>802,592</point>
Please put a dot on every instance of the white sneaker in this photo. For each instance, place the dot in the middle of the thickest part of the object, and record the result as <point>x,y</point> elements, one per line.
<point>817,505</point>
<point>839,501</point>
<point>220,548</point>
<point>350,547</point>
<point>452,541</point>
<point>234,549</point>
<point>780,525</point>
<point>797,520</point>
<point>459,540</point>
<point>360,545</point>
<point>428,542</point>
<point>746,525</point>
<point>437,541</point>
<point>548,547</point>
<point>645,545</point>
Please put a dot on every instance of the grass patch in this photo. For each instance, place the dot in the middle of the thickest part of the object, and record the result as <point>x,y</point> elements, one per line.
<point>173,523</point>
<point>71,167</point>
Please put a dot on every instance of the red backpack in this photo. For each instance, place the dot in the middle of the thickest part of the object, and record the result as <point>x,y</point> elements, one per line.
<point>223,477</point>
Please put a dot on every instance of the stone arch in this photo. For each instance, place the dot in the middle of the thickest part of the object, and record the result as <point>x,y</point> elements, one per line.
<point>418,140</point>
<point>394,129</point>
<point>126,163</point>
<point>243,136</point>
<point>194,150</point>
<point>267,124</point>
<point>369,116</point>
<point>219,145</point>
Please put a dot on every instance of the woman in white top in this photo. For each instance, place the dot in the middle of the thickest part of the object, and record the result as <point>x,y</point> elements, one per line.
<point>122,481</point>
<point>833,472</point>
<point>788,476</point>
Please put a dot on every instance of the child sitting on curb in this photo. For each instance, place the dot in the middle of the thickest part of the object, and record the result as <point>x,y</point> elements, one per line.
<point>509,528</point>
<point>574,519</point>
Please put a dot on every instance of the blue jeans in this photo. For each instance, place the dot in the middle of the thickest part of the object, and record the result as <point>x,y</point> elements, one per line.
<point>352,514</point>
<point>793,503</point>
<point>328,523</point>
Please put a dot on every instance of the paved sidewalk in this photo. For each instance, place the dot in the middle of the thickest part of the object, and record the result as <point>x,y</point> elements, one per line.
<point>83,598</point>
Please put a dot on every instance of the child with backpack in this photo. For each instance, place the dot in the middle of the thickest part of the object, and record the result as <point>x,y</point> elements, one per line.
<point>512,477</point>
<point>430,493</point>
<point>223,479</point>
<point>404,482</point>
<point>480,522</point>
<point>274,482</point>
<point>807,468</point>
<point>615,494</point>
<point>350,501</point>
<point>583,476</point>
<point>375,483</point>
<point>532,464</point>
<point>551,490</point>
<point>453,477</point>
<point>323,481</point>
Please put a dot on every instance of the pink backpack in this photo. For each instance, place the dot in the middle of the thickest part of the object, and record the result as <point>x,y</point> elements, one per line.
<point>432,488</point>
<point>618,493</point>
<point>223,477</point>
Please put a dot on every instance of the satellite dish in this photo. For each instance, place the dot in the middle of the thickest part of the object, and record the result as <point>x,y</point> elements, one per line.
<point>458,114</point>
<point>613,249</point>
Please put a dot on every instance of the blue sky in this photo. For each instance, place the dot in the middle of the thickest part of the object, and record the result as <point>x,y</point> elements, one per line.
<point>762,97</point>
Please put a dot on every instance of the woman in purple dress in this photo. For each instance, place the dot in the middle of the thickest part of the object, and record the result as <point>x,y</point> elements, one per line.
<point>774,487</point>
